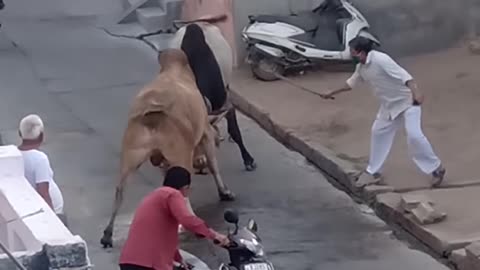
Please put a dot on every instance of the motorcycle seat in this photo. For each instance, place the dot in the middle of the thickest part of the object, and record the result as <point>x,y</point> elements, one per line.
<point>306,21</point>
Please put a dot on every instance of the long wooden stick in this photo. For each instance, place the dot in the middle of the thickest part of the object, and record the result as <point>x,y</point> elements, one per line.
<point>287,80</point>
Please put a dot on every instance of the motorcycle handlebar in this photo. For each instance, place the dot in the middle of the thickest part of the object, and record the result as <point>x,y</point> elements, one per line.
<point>231,244</point>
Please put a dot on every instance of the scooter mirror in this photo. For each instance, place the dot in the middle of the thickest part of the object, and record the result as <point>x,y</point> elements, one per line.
<point>231,216</point>
<point>252,225</point>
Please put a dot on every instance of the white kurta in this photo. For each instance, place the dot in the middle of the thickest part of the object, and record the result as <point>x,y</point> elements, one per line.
<point>388,80</point>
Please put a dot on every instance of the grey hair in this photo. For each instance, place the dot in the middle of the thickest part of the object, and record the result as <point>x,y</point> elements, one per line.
<point>31,127</point>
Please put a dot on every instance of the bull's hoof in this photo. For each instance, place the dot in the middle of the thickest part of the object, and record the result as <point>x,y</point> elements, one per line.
<point>106,240</point>
<point>252,166</point>
<point>227,196</point>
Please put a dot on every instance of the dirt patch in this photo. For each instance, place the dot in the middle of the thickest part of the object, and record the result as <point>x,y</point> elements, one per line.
<point>450,80</point>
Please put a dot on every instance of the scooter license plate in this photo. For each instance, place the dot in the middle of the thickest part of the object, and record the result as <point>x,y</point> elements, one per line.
<point>257,266</point>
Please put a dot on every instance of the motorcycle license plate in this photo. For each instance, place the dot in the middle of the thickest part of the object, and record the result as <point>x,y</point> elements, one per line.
<point>257,266</point>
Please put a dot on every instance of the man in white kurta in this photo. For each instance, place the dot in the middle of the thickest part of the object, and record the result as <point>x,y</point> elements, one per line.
<point>400,103</point>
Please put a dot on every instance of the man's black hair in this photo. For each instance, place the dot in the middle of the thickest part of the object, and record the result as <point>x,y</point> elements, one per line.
<point>177,178</point>
<point>361,44</point>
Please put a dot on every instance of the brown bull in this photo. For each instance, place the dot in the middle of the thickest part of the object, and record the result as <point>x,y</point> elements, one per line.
<point>168,123</point>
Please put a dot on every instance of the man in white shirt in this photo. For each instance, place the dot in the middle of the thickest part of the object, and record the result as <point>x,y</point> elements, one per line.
<point>38,171</point>
<point>400,101</point>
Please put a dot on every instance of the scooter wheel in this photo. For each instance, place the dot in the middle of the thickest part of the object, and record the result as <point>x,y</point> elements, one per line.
<point>265,70</point>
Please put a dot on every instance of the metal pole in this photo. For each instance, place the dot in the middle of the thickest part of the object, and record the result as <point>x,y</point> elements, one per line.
<point>10,255</point>
<point>4,248</point>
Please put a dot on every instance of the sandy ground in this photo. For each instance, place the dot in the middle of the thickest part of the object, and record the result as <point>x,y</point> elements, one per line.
<point>449,80</point>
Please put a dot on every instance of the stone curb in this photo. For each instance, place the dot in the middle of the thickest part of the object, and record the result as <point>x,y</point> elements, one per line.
<point>467,258</point>
<point>344,172</point>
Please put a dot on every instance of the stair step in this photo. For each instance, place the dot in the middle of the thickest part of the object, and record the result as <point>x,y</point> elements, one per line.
<point>153,18</point>
<point>129,14</point>
<point>149,12</point>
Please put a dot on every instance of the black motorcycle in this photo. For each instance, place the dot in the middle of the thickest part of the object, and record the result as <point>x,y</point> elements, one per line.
<point>246,249</point>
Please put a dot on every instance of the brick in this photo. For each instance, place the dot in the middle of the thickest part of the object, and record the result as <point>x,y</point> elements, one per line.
<point>472,261</point>
<point>411,201</point>
<point>459,257</point>
<point>473,250</point>
<point>425,214</point>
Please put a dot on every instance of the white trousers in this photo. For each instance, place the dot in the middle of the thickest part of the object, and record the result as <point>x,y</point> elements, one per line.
<point>419,148</point>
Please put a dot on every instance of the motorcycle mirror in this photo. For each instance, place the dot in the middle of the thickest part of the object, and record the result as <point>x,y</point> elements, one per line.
<point>252,225</point>
<point>231,216</point>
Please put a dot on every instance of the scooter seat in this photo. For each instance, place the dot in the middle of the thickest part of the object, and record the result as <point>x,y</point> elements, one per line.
<point>306,21</point>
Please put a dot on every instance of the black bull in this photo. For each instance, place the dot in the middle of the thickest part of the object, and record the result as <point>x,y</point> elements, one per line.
<point>211,83</point>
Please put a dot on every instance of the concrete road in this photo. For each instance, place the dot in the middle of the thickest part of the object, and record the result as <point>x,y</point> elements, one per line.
<point>81,82</point>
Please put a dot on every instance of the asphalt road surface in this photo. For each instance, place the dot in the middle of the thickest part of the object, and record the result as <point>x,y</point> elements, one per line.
<point>81,82</point>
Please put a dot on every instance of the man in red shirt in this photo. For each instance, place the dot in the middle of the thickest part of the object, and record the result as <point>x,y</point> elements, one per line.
<point>152,242</point>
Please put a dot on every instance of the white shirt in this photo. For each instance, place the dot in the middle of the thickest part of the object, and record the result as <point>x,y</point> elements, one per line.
<point>388,80</point>
<point>38,170</point>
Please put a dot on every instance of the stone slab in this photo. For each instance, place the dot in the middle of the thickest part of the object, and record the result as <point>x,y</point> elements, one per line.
<point>426,214</point>
<point>412,201</point>
<point>457,231</point>
<point>473,250</point>
<point>67,256</point>
<point>472,261</point>
<point>458,258</point>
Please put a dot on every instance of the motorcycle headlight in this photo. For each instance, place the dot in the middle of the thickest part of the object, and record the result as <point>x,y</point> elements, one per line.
<point>254,246</point>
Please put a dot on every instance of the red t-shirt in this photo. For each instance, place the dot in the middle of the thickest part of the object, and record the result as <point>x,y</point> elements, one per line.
<point>153,237</point>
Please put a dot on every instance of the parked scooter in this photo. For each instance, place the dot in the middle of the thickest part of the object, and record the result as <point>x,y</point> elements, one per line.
<point>279,43</point>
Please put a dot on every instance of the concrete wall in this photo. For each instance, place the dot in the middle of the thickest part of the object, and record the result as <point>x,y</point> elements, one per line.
<point>28,227</point>
<point>404,26</point>
<point>414,26</point>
